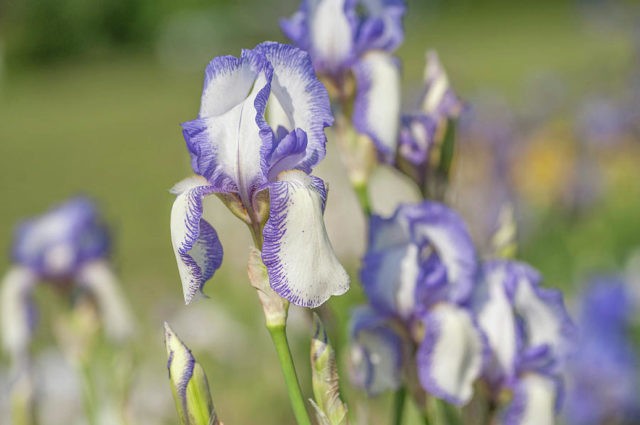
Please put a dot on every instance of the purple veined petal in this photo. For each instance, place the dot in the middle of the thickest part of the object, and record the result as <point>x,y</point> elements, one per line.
<point>534,401</point>
<point>377,103</point>
<point>54,244</point>
<point>447,234</point>
<point>298,99</point>
<point>100,281</point>
<point>417,134</point>
<point>17,311</point>
<point>381,28</point>
<point>496,318</point>
<point>195,242</point>
<point>230,139</point>
<point>450,356</point>
<point>288,152</point>
<point>300,260</point>
<point>438,99</point>
<point>544,316</point>
<point>377,352</point>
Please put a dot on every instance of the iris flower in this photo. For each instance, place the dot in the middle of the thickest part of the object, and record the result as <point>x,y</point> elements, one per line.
<point>259,133</point>
<point>528,331</point>
<point>418,273</point>
<point>356,39</point>
<point>68,247</point>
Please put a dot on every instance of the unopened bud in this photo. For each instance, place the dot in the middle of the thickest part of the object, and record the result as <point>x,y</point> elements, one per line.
<point>189,383</point>
<point>330,410</point>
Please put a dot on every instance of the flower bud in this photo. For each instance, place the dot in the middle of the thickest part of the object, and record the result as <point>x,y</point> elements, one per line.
<point>330,410</point>
<point>188,383</point>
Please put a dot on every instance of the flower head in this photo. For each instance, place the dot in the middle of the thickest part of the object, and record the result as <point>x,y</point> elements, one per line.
<point>260,131</point>
<point>418,273</point>
<point>528,332</point>
<point>68,244</point>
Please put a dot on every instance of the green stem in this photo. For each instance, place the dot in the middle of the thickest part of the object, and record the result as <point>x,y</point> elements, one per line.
<point>88,396</point>
<point>398,405</point>
<point>362,192</point>
<point>279,337</point>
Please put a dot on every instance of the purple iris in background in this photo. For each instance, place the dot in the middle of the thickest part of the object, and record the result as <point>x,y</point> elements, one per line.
<point>603,371</point>
<point>356,38</point>
<point>67,245</point>
<point>529,333</point>
<point>259,132</point>
<point>418,273</point>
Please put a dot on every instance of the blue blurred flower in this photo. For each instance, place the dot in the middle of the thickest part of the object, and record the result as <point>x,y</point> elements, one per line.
<point>418,273</point>
<point>603,372</point>
<point>528,332</point>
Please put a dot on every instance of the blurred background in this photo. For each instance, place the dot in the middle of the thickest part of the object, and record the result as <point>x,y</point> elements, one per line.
<point>92,94</point>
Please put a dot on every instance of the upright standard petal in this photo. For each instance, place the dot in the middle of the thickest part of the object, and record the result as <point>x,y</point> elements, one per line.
<point>377,352</point>
<point>451,354</point>
<point>331,35</point>
<point>534,401</point>
<point>195,242</point>
<point>381,26</point>
<point>416,139</point>
<point>17,311</point>
<point>297,252</point>
<point>117,319</point>
<point>298,99</point>
<point>442,229</point>
<point>230,138</point>
<point>377,104</point>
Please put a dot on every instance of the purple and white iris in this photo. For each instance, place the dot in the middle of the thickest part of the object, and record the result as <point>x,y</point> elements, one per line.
<point>528,331</point>
<point>67,245</point>
<point>419,273</point>
<point>260,131</point>
<point>357,38</point>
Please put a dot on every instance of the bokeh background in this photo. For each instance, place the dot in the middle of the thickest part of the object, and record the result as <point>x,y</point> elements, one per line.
<point>92,94</point>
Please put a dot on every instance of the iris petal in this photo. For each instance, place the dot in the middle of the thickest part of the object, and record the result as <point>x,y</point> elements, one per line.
<point>300,260</point>
<point>450,355</point>
<point>377,103</point>
<point>195,242</point>
<point>17,310</point>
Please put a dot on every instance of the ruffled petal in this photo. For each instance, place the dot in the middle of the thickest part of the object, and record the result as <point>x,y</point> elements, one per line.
<point>444,231</point>
<point>544,316</point>
<point>117,319</point>
<point>451,354</point>
<point>195,242</point>
<point>298,99</point>
<point>230,139</point>
<point>377,352</point>
<point>17,311</point>
<point>377,104</point>
<point>381,28</point>
<point>533,403</point>
<point>300,261</point>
